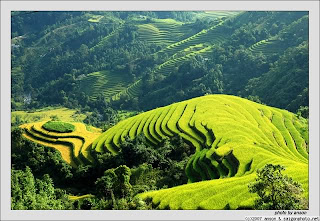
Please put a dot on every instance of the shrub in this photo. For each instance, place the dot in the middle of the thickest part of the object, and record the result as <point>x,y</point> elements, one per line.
<point>30,193</point>
<point>275,190</point>
<point>116,182</point>
<point>58,126</point>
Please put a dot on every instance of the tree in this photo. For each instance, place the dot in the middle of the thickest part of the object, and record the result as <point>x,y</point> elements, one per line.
<point>28,192</point>
<point>276,191</point>
<point>122,185</point>
<point>105,184</point>
<point>83,51</point>
<point>303,111</point>
<point>115,182</point>
<point>41,160</point>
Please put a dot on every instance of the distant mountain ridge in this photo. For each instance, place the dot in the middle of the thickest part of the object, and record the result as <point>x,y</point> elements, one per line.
<point>149,54</point>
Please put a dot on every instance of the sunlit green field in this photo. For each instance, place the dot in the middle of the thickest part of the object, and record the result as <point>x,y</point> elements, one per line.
<point>62,113</point>
<point>233,138</point>
<point>103,82</point>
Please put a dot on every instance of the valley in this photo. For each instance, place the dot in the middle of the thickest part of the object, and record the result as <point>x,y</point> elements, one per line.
<point>157,110</point>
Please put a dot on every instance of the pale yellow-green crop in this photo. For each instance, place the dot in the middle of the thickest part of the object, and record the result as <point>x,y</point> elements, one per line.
<point>233,138</point>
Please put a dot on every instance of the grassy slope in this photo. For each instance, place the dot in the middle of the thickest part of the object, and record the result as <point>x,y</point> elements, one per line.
<point>273,45</point>
<point>219,193</point>
<point>168,31</point>
<point>233,137</point>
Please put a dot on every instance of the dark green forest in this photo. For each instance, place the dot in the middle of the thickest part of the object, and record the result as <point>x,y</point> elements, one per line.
<point>41,179</point>
<point>52,51</point>
<point>104,64</point>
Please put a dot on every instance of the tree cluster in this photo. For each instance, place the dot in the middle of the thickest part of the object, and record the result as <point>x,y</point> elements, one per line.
<point>114,180</point>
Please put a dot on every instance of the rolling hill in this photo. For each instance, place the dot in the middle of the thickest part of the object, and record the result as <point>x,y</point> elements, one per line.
<point>233,138</point>
<point>178,51</point>
<point>220,33</point>
<point>109,66</point>
<point>94,44</point>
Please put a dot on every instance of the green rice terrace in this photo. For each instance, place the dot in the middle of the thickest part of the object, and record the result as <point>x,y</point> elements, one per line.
<point>217,14</point>
<point>105,82</point>
<point>269,46</point>
<point>180,45</point>
<point>213,35</point>
<point>133,90</point>
<point>164,31</point>
<point>232,137</point>
<point>182,57</point>
<point>180,51</point>
<point>197,44</point>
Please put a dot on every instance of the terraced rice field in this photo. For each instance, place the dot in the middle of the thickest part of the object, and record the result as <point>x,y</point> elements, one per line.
<point>216,14</point>
<point>133,90</point>
<point>182,56</point>
<point>233,137</point>
<point>107,83</point>
<point>160,32</point>
<point>163,31</point>
<point>267,47</point>
<point>213,35</point>
<point>64,114</point>
<point>95,18</point>
<point>184,50</point>
<point>73,146</point>
<point>180,52</point>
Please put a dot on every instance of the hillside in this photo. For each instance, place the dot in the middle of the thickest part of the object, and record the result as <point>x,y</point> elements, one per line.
<point>142,55</point>
<point>228,54</point>
<point>105,83</point>
<point>63,114</point>
<point>232,137</point>
<point>125,110</point>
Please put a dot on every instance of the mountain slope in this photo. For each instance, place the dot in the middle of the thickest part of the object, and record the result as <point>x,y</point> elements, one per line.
<point>233,137</point>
